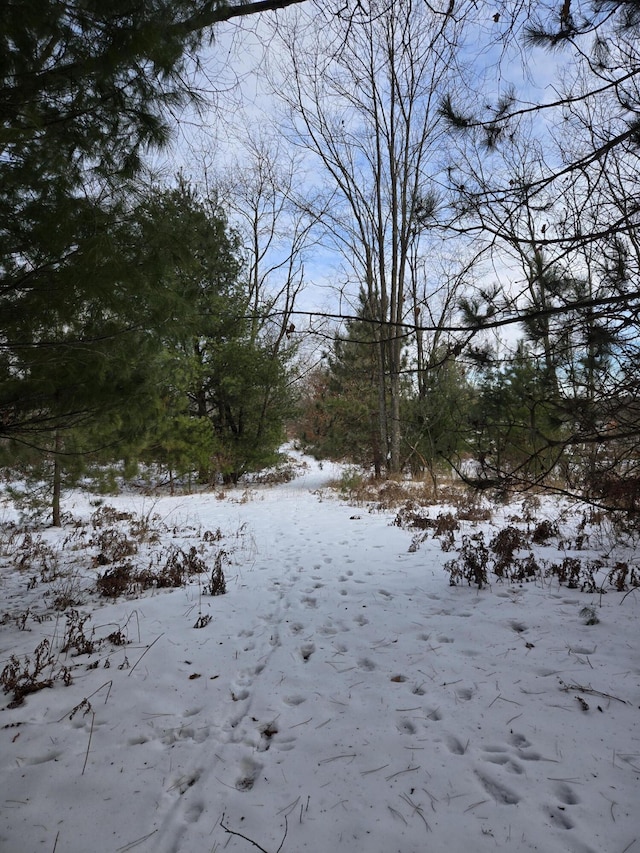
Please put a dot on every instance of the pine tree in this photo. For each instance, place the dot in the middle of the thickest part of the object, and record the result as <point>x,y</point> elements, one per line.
<point>86,89</point>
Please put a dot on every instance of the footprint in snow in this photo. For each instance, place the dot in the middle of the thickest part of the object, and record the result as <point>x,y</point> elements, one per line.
<point>464,693</point>
<point>249,773</point>
<point>455,746</point>
<point>519,741</point>
<point>559,817</point>
<point>503,760</point>
<point>194,812</point>
<point>406,727</point>
<point>566,794</point>
<point>307,650</point>
<point>500,793</point>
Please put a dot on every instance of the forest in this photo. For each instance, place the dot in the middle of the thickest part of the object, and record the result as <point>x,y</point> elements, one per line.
<point>420,255</point>
<point>319,423</point>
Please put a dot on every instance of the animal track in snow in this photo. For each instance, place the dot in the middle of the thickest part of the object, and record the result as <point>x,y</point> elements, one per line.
<point>307,650</point>
<point>53,755</point>
<point>406,727</point>
<point>559,817</point>
<point>193,813</point>
<point>367,664</point>
<point>464,693</point>
<point>455,746</point>
<point>294,700</point>
<point>501,793</point>
<point>310,602</point>
<point>249,773</point>
<point>444,639</point>
<point>361,620</point>
<point>238,694</point>
<point>504,761</point>
<point>186,781</point>
<point>566,794</point>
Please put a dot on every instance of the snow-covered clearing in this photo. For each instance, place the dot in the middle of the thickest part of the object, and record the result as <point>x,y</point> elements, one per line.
<point>343,696</point>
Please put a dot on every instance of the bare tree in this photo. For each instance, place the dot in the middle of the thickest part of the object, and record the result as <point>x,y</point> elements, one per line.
<point>364,97</point>
<point>259,190</point>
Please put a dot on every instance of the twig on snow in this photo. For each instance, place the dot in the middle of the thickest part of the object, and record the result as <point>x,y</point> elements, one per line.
<point>350,755</point>
<point>567,687</point>
<point>250,840</point>
<point>416,808</point>
<point>135,843</point>
<point>400,772</point>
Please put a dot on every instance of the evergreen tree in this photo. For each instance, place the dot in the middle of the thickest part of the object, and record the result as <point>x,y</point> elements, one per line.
<point>342,415</point>
<point>434,419</point>
<point>86,89</point>
<point>516,428</point>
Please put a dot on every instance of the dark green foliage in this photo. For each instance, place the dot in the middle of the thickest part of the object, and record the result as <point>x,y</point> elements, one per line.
<point>515,422</point>
<point>98,275</point>
<point>433,419</point>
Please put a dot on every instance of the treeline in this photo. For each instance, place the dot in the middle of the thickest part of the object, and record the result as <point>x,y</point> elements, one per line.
<point>488,241</point>
<point>143,348</point>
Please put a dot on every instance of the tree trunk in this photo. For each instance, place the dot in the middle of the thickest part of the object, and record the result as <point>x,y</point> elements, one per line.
<point>57,482</point>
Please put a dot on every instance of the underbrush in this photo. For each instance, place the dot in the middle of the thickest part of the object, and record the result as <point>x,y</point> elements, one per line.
<point>114,554</point>
<point>527,548</point>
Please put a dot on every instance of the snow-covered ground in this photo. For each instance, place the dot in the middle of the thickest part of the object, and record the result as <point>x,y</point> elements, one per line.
<point>343,696</point>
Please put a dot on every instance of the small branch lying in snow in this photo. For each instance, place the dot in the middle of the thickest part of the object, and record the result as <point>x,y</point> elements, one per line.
<point>350,755</point>
<point>250,840</point>
<point>400,772</point>
<point>135,843</point>
<point>567,687</point>
<point>375,770</point>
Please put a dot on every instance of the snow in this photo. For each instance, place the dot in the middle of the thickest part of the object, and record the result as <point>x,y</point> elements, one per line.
<point>343,696</point>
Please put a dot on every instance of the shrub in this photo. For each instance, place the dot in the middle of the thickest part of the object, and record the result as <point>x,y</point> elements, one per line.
<point>504,544</point>
<point>544,531</point>
<point>22,677</point>
<point>471,562</point>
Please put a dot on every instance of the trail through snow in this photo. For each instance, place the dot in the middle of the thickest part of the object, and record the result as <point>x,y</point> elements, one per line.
<point>343,698</point>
